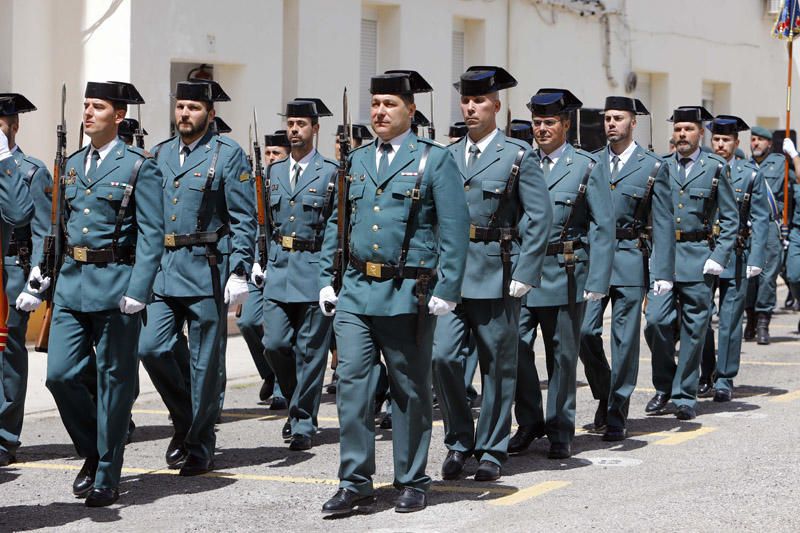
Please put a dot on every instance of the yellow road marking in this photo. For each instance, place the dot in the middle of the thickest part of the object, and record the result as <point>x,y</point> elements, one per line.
<point>529,493</point>
<point>674,438</point>
<point>770,363</point>
<point>788,397</point>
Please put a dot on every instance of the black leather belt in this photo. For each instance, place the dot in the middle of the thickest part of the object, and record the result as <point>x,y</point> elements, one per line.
<point>383,271</point>
<point>293,243</point>
<point>691,236</point>
<point>172,240</point>
<point>481,234</point>
<point>125,255</point>
<point>630,233</point>
<point>14,249</point>
<point>566,247</point>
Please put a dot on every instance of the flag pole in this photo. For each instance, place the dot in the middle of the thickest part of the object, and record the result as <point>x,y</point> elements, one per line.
<point>784,229</point>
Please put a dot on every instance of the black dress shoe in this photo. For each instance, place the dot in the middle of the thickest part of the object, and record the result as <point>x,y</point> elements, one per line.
<point>346,502</point>
<point>278,403</point>
<point>523,438</point>
<point>84,481</point>
<point>266,389</point>
<point>601,416</point>
<point>723,395</point>
<point>657,403</point>
<point>286,431</point>
<point>102,497</point>
<point>300,442</point>
<point>386,421</point>
<point>176,452</point>
<point>487,471</point>
<point>559,450</point>
<point>330,388</point>
<point>410,500</point>
<point>615,433</point>
<point>6,458</point>
<point>704,390</point>
<point>195,466</point>
<point>685,412</point>
<point>131,429</point>
<point>453,464</point>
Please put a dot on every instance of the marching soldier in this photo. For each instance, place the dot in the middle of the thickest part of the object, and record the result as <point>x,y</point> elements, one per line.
<point>22,179</point>
<point>296,333</point>
<point>457,131</point>
<point>762,289</point>
<point>251,321</point>
<point>577,268</point>
<point>793,248</point>
<point>209,206</point>
<point>409,227</point>
<point>114,240</point>
<point>502,182</point>
<point>699,190</point>
<point>641,197</point>
<point>748,260</point>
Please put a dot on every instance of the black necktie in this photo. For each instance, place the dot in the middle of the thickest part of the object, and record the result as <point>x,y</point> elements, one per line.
<point>93,164</point>
<point>684,161</point>
<point>185,151</point>
<point>474,152</point>
<point>295,176</point>
<point>383,165</point>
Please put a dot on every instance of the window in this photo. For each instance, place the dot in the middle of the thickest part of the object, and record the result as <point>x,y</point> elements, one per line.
<point>368,66</point>
<point>457,67</point>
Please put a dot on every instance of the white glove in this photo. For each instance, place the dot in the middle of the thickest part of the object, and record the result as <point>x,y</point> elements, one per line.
<point>257,275</point>
<point>236,290</point>
<point>44,283</point>
<point>517,289</point>
<point>328,295</point>
<point>713,268</point>
<point>5,151</point>
<point>439,307</point>
<point>661,286</point>
<point>753,271</point>
<point>28,302</point>
<point>592,296</point>
<point>789,149</point>
<point>130,306</point>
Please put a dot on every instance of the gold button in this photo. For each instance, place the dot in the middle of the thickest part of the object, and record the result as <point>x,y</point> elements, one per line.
<point>177,183</point>
<point>88,191</point>
<point>291,218</point>
<point>497,190</point>
<point>315,204</point>
<point>110,196</point>
<point>86,211</point>
<point>680,192</point>
<point>291,202</point>
<point>680,206</point>
<point>174,201</point>
<point>375,246</point>
<point>613,187</point>
<point>379,191</point>
<point>294,234</point>
<point>466,187</point>
<point>678,220</point>
<point>376,208</point>
<point>421,262</point>
<point>173,218</point>
<point>374,227</point>
<point>85,230</point>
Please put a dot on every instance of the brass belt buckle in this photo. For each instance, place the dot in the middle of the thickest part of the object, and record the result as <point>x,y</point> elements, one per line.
<point>169,240</point>
<point>374,270</point>
<point>715,230</point>
<point>569,256</point>
<point>287,242</point>
<point>79,254</point>
<point>472,231</point>
<point>678,234</point>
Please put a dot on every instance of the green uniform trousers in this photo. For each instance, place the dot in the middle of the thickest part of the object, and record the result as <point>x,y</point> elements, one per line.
<point>527,394</point>
<point>97,429</point>
<point>13,366</point>
<point>296,341</point>
<point>494,324</point>
<point>679,380</point>
<point>359,339</point>
<point>561,329</point>
<point>251,326</point>
<point>194,409</point>
<point>732,295</point>
<point>762,290</point>
<point>615,384</point>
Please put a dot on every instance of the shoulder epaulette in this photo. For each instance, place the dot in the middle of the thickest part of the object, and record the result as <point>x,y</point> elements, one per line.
<point>430,141</point>
<point>518,142</point>
<point>354,150</point>
<point>139,151</point>
<point>716,158</point>
<point>330,161</point>
<point>584,153</point>
<point>76,152</point>
<point>35,162</point>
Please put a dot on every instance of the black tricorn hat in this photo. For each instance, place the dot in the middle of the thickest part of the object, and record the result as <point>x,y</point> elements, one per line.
<point>458,129</point>
<point>549,102</point>
<point>128,127</point>
<point>420,119</point>
<point>279,138</point>
<point>624,103</point>
<point>14,104</point>
<point>690,113</point>
<point>521,129</point>
<point>220,126</point>
<point>360,131</point>
<point>200,90</point>
<point>727,125</point>
<point>478,80</point>
<point>418,83</point>
<point>114,91</point>
<point>307,107</point>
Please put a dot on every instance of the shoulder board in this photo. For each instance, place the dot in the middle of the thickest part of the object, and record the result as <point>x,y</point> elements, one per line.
<point>330,161</point>
<point>78,151</point>
<point>430,141</point>
<point>362,147</point>
<point>454,142</point>
<point>584,153</point>
<point>227,141</point>
<point>775,158</point>
<point>652,155</point>
<point>140,152</point>
<point>35,162</point>
<point>716,158</point>
<point>597,152</point>
<point>160,145</point>
<point>519,143</point>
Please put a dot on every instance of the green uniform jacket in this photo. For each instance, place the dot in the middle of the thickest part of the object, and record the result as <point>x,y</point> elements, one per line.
<point>291,275</point>
<point>741,172</point>
<point>90,212</point>
<point>593,226</point>
<point>184,271</point>
<point>16,207</point>
<point>627,191</point>
<point>39,181</point>
<point>379,212</point>
<point>689,202</point>
<point>773,170</point>
<point>484,187</point>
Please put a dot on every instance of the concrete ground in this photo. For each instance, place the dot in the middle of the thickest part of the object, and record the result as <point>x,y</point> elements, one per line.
<point>736,467</point>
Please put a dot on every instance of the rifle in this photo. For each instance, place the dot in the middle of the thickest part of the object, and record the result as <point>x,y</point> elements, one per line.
<point>138,135</point>
<point>54,243</point>
<point>431,127</point>
<point>261,202</point>
<point>340,258</point>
